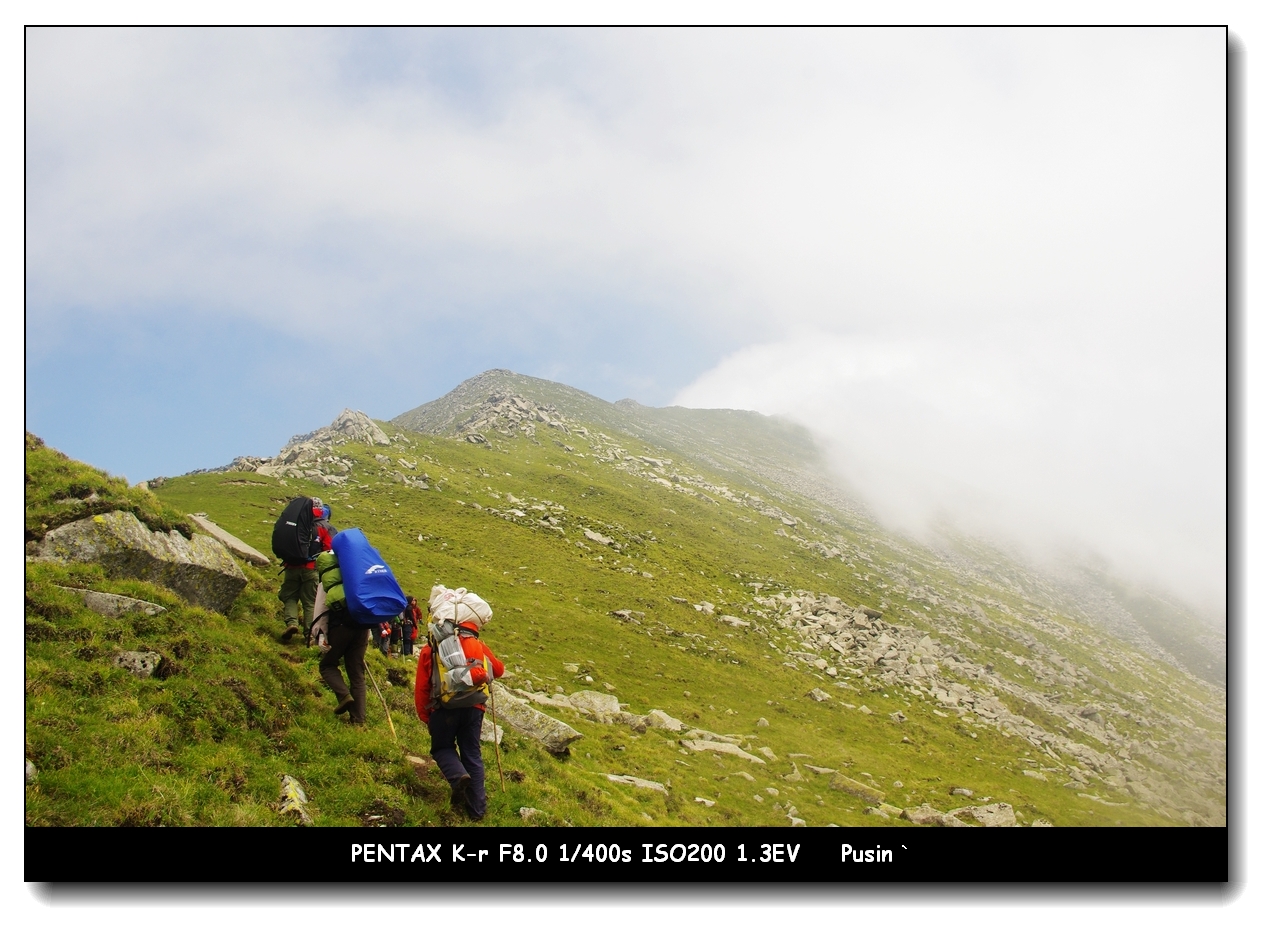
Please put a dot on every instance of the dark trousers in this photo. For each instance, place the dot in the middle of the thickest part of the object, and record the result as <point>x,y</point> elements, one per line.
<point>460,726</point>
<point>347,642</point>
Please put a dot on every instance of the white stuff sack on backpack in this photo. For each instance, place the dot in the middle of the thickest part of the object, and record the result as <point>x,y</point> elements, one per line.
<point>458,606</point>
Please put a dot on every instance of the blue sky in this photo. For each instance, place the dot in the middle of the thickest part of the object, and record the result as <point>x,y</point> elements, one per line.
<point>996,255</point>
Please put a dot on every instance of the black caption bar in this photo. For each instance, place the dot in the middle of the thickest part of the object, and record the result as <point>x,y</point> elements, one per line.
<point>750,855</point>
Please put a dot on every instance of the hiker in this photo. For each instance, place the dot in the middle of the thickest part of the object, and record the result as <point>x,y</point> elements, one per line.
<point>298,537</point>
<point>348,642</point>
<point>362,593</point>
<point>325,530</point>
<point>383,638</point>
<point>409,620</point>
<point>455,715</point>
<point>394,638</point>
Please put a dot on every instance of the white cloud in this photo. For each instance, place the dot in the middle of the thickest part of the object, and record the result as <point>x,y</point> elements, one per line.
<point>1021,437</point>
<point>1009,244</point>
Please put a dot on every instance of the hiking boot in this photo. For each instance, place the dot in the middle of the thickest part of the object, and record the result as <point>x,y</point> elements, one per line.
<point>291,629</point>
<point>345,704</point>
<point>457,799</point>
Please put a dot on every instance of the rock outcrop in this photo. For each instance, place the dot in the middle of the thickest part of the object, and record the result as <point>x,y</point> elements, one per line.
<point>556,736</point>
<point>311,456</point>
<point>201,570</point>
<point>234,544</point>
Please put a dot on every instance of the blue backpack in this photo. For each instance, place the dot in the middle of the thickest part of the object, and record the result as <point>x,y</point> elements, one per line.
<point>373,596</point>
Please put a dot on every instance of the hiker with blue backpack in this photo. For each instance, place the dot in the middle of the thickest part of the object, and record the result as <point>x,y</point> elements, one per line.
<point>455,675</point>
<point>360,592</point>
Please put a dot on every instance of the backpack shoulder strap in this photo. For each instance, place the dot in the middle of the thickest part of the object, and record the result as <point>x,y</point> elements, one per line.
<point>435,669</point>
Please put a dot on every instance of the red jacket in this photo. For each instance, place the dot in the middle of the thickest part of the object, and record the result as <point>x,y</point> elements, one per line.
<point>473,648</point>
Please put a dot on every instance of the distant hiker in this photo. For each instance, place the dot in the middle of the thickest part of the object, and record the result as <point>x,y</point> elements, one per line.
<point>409,621</point>
<point>394,638</point>
<point>455,673</point>
<point>298,537</point>
<point>325,530</point>
<point>383,637</point>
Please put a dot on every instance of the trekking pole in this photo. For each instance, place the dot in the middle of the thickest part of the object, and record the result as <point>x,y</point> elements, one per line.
<point>384,702</point>
<point>497,746</point>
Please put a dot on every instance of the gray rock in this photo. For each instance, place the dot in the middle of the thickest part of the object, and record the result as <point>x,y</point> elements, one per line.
<point>600,706</point>
<point>961,792</point>
<point>596,537</point>
<point>994,814</point>
<point>762,723</point>
<point>819,695</point>
<point>491,733</point>
<point>294,800</point>
<point>722,748</point>
<point>923,815</point>
<point>527,814</point>
<point>632,781</point>
<point>201,570</point>
<point>113,605</point>
<point>515,713</point>
<point>31,774</point>
<point>659,719</point>
<point>140,663</point>
<point>234,544</point>
<point>856,788</point>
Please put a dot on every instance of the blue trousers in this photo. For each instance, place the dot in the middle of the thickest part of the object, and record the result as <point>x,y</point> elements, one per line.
<point>461,727</point>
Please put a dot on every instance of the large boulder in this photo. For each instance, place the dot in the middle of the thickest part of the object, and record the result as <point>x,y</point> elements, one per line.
<point>511,711</point>
<point>201,570</point>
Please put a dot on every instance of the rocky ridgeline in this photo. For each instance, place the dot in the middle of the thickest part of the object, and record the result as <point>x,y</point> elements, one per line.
<point>827,637</point>
<point>312,456</point>
<point>512,415</point>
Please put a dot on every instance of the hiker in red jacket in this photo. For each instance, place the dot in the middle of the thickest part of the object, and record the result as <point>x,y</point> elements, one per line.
<point>410,619</point>
<point>455,718</point>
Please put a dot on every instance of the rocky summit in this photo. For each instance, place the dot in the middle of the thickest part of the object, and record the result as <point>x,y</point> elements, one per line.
<point>700,627</point>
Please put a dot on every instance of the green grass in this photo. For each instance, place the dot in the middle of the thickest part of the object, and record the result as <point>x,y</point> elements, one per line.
<point>209,742</point>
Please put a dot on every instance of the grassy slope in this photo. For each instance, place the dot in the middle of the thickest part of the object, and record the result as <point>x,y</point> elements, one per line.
<point>84,736</point>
